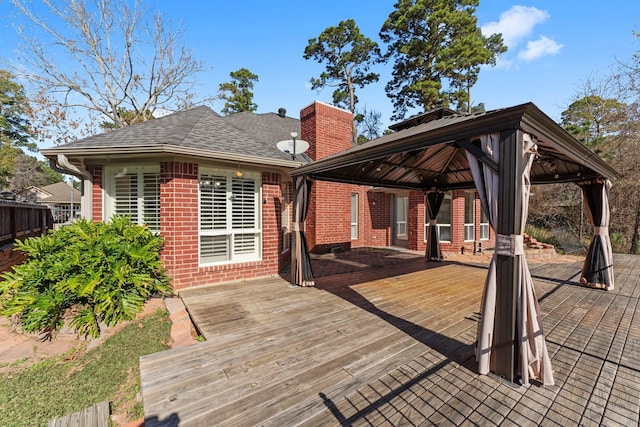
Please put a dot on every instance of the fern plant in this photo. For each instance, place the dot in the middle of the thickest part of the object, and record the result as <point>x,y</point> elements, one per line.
<point>93,272</point>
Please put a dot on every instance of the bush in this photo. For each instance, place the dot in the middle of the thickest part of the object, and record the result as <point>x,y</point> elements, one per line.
<point>619,243</point>
<point>93,272</point>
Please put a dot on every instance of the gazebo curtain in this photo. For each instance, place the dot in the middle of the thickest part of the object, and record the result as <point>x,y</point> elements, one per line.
<point>534,358</point>
<point>434,201</point>
<point>597,271</point>
<point>301,273</point>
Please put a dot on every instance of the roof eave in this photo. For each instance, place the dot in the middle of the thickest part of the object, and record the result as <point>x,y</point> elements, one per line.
<point>526,117</point>
<point>537,123</point>
<point>492,122</point>
<point>166,149</point>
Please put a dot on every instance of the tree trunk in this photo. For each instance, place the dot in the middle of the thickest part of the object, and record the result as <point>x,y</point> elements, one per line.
<point>635,237</point>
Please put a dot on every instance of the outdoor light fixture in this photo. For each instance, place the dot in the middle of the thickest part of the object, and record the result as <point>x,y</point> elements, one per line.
<point>239,174</point>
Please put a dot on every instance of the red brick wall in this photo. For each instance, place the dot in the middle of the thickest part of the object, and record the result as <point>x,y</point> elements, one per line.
<point>327,129</point>
<point>458,245</point>
<point>374,212</point>
<point>179,220</point>
<point>194,275</point>
<point>415,221</point>
<point>96,196</point>
<point>180,228</point>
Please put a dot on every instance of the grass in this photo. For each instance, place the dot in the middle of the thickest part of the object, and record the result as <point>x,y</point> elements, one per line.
<point>32,395</point>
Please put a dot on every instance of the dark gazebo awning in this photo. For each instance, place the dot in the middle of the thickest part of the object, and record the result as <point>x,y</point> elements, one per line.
<point>500,153</point>
<point>433,154</point>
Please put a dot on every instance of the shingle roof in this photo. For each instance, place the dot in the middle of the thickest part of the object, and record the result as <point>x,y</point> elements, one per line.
<point>265,127</point>
<point>60,193</point>
<point>199,128</point>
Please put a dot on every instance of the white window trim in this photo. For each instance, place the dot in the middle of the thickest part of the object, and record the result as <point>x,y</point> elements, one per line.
<point>426,220</point>
<point>109,185</point>
<point>405,223</point>
<point>257,255</point>
<point>354,225</point>
<point>484,225</point>
<point>470,225</point>
<point>488,228</point>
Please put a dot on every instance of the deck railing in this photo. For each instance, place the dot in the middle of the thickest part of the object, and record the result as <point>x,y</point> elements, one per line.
<point>22,220</point>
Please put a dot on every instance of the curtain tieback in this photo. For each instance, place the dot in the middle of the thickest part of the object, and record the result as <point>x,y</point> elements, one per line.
<point>509,244</point>
<point>601,231</point>
<point>432,222</point>
<point>295,227</point>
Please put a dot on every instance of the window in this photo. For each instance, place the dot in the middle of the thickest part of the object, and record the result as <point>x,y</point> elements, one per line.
<point>401,217</point>
<point>285,219</point>
<point>354,216</point>
<point>484,225</point>
<point>229,216</point>
<point>469,215</point>
<point>443,220</point>
<point>134,191</point>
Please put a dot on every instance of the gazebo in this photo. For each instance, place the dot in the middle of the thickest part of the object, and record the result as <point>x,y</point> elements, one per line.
<point>500,153</point>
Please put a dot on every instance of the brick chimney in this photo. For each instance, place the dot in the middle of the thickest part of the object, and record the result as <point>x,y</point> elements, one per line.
<point>327,129</point>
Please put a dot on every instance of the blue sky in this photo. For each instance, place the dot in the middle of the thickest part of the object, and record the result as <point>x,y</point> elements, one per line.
<point>554,46</point>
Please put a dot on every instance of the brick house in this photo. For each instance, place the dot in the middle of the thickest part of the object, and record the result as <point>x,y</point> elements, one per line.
<point>220,193</point>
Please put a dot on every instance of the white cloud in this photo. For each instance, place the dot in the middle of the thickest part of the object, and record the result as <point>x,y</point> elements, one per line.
<point>538,48</point>
<point>504,64</point>
<point>516,24</point>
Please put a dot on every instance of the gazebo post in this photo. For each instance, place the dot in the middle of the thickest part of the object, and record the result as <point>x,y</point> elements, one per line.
<point>508,277</point>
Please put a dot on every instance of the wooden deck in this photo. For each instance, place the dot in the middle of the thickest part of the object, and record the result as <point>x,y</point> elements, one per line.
<point>394,346</point>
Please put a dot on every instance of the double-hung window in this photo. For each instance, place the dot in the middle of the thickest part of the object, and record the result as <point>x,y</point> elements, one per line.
<point>469,215</point>
<point>354,216</point>
<point>484,226</point>
<point>230,228</point>
<point>134,191</point>
<point>443,220</point>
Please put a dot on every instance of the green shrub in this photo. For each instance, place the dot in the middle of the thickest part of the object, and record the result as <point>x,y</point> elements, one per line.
<point>619,243</point>
<point>91,271</point>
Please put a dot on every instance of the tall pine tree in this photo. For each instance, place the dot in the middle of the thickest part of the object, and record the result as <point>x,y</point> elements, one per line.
<point>237,93</point>
<point>438,49</point>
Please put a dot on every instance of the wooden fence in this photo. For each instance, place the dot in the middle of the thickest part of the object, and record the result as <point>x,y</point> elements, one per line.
<point>22,220</point>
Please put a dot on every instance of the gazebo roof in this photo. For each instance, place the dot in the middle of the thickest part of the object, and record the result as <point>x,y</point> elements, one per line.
<point>432,154</point>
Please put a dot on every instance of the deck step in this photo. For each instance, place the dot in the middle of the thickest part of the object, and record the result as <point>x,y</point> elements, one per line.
<point>93,416</point>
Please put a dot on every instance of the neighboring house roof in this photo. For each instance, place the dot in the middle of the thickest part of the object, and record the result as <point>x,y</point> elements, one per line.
<point>38,192</point>
<point>58,193</point>
<point>201,132</point>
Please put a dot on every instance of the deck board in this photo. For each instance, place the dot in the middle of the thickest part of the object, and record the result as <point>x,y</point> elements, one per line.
<point>394,346</point>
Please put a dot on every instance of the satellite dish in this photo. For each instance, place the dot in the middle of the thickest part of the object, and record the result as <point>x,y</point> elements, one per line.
<point>293,146</point>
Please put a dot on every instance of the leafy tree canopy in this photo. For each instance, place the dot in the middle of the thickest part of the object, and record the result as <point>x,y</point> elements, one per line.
<point>15,128</point>
<point>237,93</point>
<point>438,49</point>
<point>28,171</point>
<point>592,118</point>
<point>348,56</point>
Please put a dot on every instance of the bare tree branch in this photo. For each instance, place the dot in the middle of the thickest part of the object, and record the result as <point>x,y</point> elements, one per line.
<point>104,59</point>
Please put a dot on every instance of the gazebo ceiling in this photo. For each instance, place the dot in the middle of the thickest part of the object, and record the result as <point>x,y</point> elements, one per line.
<point>433,154</point>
